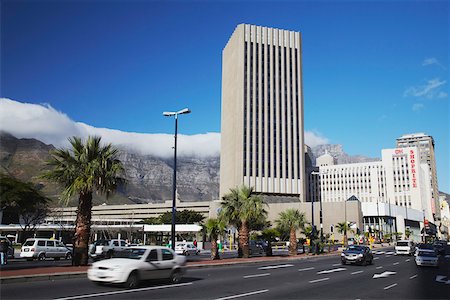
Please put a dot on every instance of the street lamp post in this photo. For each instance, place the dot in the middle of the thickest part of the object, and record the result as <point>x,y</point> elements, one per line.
<point>320,203</point>
<point>174,190</point>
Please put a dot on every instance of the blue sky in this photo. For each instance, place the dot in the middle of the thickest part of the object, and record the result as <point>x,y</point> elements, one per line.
<point>373,71</point>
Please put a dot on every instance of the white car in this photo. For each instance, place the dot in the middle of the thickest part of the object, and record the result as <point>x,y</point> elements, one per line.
<point>186,249</point>
<point>404,247</point>
<point>38,248</point>
<point>426,257</point>
<point>139,264</point>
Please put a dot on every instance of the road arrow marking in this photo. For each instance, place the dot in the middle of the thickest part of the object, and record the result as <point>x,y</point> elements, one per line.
<point>440,278</point>
<point>384,274</point>
<point>331,271</point>
<point>275,267</point>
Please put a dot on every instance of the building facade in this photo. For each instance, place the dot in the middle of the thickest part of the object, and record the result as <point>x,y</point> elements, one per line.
<point>262,140</point>
<point>425,144</point>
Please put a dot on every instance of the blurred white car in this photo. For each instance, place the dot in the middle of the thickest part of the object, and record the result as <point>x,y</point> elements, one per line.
<point>39,248</point>
<point>138,264</point>
<point>186,249</point>
<point>404,247</point>
<point>425,257</point>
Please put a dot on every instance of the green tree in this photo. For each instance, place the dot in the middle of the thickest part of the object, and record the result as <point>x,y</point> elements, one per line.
<point>239,208</point>
<point>86,168</point>
<point>182,217</point>
<point>214,228</point>
<point>22,203</point>
<point>293,220</point>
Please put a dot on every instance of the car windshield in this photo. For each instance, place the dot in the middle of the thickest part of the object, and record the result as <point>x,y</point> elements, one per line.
<point>427,254</point>
<point>130,253</point>
<point>29,243</point>
<point>355,248</point>
<point>402,243</point>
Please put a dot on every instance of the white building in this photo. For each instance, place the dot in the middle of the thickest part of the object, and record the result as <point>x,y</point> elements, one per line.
<point>393,192</point>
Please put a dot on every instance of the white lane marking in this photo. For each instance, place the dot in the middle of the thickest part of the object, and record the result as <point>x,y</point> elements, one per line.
<point>257,275</point>
<point>335,265</point>
<point>412,277</point>
<point>243,295</point>
<point>396,263</point>
<point>384,274</point>
<point>407,259</point>
<point>380,267</point>
<point>447,256</point>
<point>390,253</point>
<point>306,269</point>
<point>275,267</point>
<point>319,280</point>
<point>376,258</point>
<point>125,292</point>
<point>390,286</point>
<point>357,272</point>
<point>380,252</point>
<point>331,271</point>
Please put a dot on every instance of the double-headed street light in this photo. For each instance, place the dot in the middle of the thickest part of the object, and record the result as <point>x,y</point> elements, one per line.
<point>174,191</point>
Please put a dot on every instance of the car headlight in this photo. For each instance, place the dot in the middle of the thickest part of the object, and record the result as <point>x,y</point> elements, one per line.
<point>342,254</point>
<point>115,268</point>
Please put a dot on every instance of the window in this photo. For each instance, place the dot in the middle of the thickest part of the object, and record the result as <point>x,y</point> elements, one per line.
<point>152,256</point>
<point>166,254</point>
<point>50,243</point>
<point>41,243</point>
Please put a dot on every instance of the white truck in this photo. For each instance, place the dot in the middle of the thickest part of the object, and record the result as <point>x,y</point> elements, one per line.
<point>106,248</point>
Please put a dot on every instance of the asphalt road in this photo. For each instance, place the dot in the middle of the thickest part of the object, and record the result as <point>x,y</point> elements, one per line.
<point>390,277</point>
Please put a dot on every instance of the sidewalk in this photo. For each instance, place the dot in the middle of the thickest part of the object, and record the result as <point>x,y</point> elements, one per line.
<point>64,272</point>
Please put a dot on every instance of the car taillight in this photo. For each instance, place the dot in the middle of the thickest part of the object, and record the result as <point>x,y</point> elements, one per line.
<point>32,250</point>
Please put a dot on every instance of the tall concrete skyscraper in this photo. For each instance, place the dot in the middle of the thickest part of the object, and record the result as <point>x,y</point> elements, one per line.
<point>262,140</point>
<point>425,143</point>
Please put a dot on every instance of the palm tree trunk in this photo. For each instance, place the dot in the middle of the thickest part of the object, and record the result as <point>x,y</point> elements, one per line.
<point>243,239</point>
<point>292,242</point>
<point>82,229</point>
<point>214,251</point>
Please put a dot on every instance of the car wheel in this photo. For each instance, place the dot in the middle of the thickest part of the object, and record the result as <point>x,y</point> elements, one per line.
<point>176,276</point>
<point>132,281</point>
<point>187,253</point>
<point>109,254</point>
<point>197,252</point>
<point>69,256</point>
<point>41,256</point>
<point>343,262</point>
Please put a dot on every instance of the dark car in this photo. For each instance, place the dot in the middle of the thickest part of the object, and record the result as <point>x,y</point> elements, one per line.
<point>255,248</point>
<point>439,247</point>
<point>357,255</point>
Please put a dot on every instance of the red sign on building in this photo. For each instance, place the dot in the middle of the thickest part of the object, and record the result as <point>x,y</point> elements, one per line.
<point>412,162</point>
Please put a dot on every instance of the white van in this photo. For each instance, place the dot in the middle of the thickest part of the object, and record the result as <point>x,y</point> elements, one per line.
<point>38,248</point>
<point>404,247</point>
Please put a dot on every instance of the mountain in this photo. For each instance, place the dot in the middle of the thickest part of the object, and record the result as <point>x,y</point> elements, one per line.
<point>149,178</point>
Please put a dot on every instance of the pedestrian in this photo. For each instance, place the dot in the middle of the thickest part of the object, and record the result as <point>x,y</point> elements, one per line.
<point>195,243</point>
<point>4,251</point>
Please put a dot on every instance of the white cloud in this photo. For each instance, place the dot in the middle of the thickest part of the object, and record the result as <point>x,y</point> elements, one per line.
<point>417,106</point>
<point>429,90</point>
<point>432,61</point>
<point>442,95</point>
<point>313,138</point>
<point>43,122</point>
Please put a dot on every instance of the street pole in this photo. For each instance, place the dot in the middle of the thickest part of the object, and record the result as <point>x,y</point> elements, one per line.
<point>345,227</point>
<point>174,187</point>
<point>390,219</point>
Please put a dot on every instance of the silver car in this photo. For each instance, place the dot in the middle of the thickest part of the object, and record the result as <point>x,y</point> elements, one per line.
<point>425,257</point>
<point>137,264</point>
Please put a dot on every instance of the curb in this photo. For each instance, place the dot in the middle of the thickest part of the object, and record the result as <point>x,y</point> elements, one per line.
<point>218,263</point>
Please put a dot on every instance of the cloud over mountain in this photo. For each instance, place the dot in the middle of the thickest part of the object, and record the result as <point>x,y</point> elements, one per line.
<point>43,122</point>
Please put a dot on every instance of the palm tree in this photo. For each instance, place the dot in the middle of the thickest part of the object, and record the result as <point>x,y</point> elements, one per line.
<point>343,228</point>
<point>214,228</point>
<point>293,220</point>
<point>84,169</point>
<point>239,208</point>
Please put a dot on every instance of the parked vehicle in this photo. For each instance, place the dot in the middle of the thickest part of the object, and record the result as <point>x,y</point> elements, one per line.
<point>357,255</point>
<point>186,249</point>
<point>39,248</point>
<point>439,247</point>
<point>255,247</point>
<point>404,247</point>
<point>137,264</point>
<point>10,246</point>
<point>426,257</point>
<point>104,248</point>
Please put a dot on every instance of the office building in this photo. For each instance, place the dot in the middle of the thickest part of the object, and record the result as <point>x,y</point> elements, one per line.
<point>262,141</point>
<point>425,144</point>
